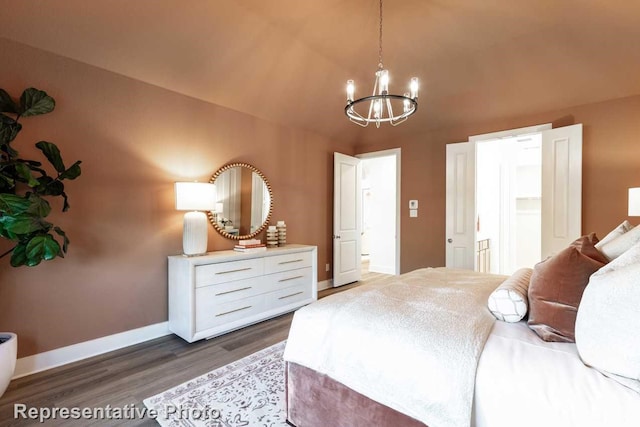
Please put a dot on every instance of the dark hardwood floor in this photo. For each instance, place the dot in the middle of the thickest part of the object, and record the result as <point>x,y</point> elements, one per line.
<point>130,375</point>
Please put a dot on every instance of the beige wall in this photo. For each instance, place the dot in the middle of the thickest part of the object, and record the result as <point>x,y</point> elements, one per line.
<point>611,164</point>
<point>135,140</point>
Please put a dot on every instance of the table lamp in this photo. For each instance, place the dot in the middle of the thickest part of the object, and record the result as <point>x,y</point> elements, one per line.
<point>634,201</point>
<point>195,197</point>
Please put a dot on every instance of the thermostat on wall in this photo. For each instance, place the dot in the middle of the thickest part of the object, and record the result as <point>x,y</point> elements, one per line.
<point>413,204</point>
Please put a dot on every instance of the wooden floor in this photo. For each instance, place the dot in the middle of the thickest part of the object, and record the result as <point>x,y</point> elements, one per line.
<point>130,375</point>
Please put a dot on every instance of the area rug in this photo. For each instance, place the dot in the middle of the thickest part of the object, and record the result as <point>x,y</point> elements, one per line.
<point>249,392</point>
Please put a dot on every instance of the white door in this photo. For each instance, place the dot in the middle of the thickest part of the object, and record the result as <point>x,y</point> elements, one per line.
<point>561,188</point>
<point>346,219</point>
<point>460,205</point>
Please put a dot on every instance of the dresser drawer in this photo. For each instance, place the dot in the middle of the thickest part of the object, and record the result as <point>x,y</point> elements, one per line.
<point>230,291</point>
<point>210,314</point>
<point>212,274</point>
<point>287,279</point>
<point>274,264</point>
<point>287,296</point>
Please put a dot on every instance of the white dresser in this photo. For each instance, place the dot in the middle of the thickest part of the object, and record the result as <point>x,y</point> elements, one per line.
<point>221,291</point>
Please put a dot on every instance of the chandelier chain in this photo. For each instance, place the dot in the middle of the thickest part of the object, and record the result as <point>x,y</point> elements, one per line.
<point>380,66</point>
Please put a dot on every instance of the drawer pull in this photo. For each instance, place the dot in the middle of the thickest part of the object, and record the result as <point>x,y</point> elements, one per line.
<point>234,271</point>
<point>233,290</point>
<point>292,295</point>
<point>292,261</point>
<point>233,311</point>
<point>290,278</point>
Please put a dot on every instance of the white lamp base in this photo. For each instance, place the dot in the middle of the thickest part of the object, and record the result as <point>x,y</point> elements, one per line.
<point>194,234</point>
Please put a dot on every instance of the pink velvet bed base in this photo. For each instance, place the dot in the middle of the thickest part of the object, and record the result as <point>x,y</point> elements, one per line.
<point>315,400</point>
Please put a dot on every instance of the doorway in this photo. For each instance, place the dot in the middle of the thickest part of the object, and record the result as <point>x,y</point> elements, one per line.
<point>560,198</point>
<point>380,216</point>
<point>508,203</point>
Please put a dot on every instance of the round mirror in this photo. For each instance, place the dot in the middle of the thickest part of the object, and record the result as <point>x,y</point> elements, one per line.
<point>244,201</point>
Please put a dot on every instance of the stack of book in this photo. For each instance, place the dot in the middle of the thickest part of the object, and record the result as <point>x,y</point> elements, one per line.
<point>251,245</point>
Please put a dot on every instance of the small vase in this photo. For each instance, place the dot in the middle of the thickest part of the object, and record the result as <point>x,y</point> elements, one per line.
<point>8,355</point>
<point>272,236</point>
<point>282,233</point>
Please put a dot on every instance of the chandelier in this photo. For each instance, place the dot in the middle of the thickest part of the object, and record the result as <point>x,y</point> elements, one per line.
<point>380,103</point>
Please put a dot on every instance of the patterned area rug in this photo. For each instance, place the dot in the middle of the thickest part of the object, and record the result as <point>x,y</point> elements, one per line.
<point>249,392</point>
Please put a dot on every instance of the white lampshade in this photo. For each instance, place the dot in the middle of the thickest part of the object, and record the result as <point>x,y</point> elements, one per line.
<point>634,201</point>
<point>195,196</point>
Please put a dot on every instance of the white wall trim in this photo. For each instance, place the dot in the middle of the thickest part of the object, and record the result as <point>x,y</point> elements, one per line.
<point>61,356</point>
<point>397,152</point>
<point>381,269</point>
<point>510,133</point>
<point>325,284</point>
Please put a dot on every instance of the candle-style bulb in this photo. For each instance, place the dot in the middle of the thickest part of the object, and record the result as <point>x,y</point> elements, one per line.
<point>351,90</point>
<point>413,86</point>
<point>384,81</point>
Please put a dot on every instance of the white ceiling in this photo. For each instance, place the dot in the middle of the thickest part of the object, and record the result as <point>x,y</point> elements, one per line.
<point>287,61</point>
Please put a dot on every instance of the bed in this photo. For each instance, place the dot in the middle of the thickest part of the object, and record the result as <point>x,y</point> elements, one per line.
<point>422,349</point>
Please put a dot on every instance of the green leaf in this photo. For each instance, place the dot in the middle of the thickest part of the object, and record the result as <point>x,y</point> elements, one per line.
<point>25,173</point>
<point>66,241</point>
<point>9,128</point>
<point>34,102</point>
<point>51,151</point>
<point>19,255</point>
<point>11,204</point>
<point>42,247</point>
<point>49,186</point>
<point>23,223</point>
<point>6,183</point>
<point>38,206</point>
<point>73,172</point>
<point>6,103</point>
<point>66,205</point>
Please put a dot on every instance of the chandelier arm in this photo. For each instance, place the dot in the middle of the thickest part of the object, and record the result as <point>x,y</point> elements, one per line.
<point>390,109</point>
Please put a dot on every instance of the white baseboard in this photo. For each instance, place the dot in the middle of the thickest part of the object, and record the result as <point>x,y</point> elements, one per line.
<point>325,284</point>
<point>61,356</point>
<point>381,269</point>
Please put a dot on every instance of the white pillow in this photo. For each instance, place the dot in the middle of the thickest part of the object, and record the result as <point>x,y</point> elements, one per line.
<point>608,319</point>
<point>621,244</point>
<point>616,232</point>
<point>509,302</point>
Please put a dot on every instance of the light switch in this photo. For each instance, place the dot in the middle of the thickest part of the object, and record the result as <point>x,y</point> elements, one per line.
<point>413,204</point>
<point>413,213</point>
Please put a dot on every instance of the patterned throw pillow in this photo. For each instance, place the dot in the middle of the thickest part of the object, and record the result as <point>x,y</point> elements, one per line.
<point>509,302</point>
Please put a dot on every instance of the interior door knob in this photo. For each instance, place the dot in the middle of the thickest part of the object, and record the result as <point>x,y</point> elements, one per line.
<point>450,240</point>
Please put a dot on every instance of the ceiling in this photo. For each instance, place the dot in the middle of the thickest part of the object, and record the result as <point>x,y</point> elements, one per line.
<point>287,61</point>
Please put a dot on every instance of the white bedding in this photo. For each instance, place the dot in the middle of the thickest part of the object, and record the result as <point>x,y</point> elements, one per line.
<point>411,343</point>
<point>524,381</point>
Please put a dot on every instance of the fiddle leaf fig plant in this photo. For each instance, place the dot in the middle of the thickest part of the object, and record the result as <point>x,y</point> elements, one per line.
<point>25,185</point>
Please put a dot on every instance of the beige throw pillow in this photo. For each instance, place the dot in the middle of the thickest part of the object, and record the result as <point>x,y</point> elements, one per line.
<point>608,320</point>
<point>616,232</point>
<point>509,301</point>
<point>621,244</point>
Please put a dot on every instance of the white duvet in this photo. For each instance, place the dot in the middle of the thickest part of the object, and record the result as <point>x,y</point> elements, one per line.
<point>526,382</point>
<point>411,343</point>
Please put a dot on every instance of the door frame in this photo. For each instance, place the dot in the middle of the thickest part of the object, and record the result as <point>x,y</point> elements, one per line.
<point>397,153</point>
<point>519,132</point>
